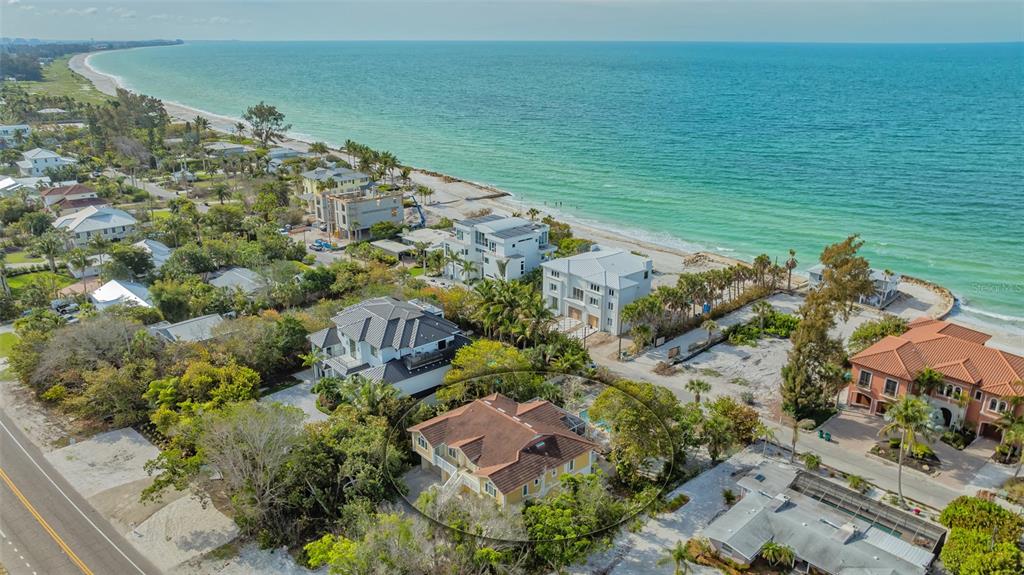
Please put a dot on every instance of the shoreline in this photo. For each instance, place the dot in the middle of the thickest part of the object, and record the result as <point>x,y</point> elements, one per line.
<point>454,197</point>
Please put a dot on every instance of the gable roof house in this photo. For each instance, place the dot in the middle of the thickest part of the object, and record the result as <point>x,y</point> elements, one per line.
<point>36,161</point>
<point>110,223</point>
<point>116,292</point>
<point>226,148</point>
<point>69,199</point>
<point>157,250</point>
<point>989,377</point>
<point>240,278</point>
<point>405,343</point>
<point>499,448</point>
<point>196,330</point>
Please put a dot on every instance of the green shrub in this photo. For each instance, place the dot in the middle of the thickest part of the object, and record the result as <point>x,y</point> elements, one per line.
<point>958,439</point>
<point>922,451</point>
<point>812,462</point>
<point>728,496</point>
<point>972,552</point>
<point>894,442</point>
<point>56,394</point>
<point>857,483</point>
<point>973,513</point>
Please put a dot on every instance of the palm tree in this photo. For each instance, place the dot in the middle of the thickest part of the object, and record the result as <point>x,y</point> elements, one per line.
<point>927,381</point>
<point>421,253</point>
<point>710,325</point>
<point>468,268</point>
<point>366,394</point>
<point>765,434</point>
<point>778,554</point>
<point>200,124</point>
<point>79,260</point>
<point>909,418</point>
<point>678,556</point>
<point>791,264</point>
<point>1014,437</point>
<point>762,310</point>
<point>1006,423</point>
<point>51,244</point>
<point>533,213</point>
<point>697,387</point>
<point>318,148</point>
<point>239,129</point>
<point>330,390</point>
<point>220,191</point>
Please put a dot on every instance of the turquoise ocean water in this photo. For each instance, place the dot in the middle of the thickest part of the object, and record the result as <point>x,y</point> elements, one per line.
<point>737,148</point>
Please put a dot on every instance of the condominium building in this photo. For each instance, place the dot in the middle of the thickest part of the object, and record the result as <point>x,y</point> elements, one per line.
<point>496,247</point>
<point>593,287</point>
<point>346,203</point>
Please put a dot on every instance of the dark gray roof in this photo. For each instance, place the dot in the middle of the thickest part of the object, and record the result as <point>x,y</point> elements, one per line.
<point>387,322</point>
<point>481,219</point>
<point>399,370</point>
<point>514,232</point>
<point>244,279</point>
<point>324,338</point>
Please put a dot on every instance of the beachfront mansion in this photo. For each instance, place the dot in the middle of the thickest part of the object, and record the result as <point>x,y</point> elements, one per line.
<point>496,247</point>
<point>347,203</point>
<point>592,287</point>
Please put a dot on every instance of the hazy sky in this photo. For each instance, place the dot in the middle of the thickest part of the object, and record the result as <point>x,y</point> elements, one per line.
<point>723,20</point>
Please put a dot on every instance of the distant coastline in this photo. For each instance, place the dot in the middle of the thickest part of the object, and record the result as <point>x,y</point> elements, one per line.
<point>454,193</point>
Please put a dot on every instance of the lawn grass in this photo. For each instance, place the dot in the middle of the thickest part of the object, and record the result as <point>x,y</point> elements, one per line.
<point>7,341</point>
<point>22,257</point>
<point>59,80</point>
<point>19,283</point>
<point>416,271</point>
<point>161,214</point>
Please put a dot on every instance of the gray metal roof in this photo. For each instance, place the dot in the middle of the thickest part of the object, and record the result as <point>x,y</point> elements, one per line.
<point>324,338</point>
<point>515,232</point>
<point>337,174</point>
<point>242,278</point>
<point>480,219</point>
<point>195,329</point>
<point>818,533</point>
<point>387,322</point>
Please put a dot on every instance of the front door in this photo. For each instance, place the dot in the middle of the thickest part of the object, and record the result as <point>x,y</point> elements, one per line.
<point>594,321</point>
<point>575,313</point>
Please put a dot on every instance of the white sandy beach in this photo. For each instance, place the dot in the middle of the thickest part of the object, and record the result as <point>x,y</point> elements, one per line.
<point>454,198</point>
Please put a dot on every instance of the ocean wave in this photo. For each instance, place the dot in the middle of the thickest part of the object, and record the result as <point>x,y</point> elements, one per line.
<point>1013,319</point>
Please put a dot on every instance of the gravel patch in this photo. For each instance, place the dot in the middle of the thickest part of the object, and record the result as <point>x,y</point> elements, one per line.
<point>104,461</point>
<point>180,532</point>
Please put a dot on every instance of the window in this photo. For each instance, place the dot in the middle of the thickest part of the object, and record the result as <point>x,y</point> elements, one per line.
<point>611,291</point>
<point>594,301</point>
<point>609,321</point>
<point>554,274</point>
<point>352,347</point>
<point>571,465</point>
<point>487,260</point>
<point>611,305</point>
<point>526,490</point>
<point>451,452</point>
<point>997,405</point>
<point>536,481</point>
<point>977,395</point>
<point>489,488</point>
<point>892,387</point>
<point>646,274</point>
<point>865,379</point>
<point>595,287</point>
<point>577,293</point>
<point>554,287</point>
<point>442,344</point>
<point>421,442</point>
<point>374,351</point>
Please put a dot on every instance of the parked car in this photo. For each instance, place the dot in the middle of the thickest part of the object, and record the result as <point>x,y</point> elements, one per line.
<point>316,247</point>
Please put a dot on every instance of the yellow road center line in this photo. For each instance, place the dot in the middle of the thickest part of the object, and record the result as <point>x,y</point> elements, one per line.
<point>46,526</point>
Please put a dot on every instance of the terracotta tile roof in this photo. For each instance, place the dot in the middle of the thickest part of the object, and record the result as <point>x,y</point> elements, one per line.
<point>71,190</point>
<point>509,442</point>
<point>956,351</point>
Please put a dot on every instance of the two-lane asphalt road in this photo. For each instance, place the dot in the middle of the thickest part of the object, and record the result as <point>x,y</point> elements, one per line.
<point>46,527</point>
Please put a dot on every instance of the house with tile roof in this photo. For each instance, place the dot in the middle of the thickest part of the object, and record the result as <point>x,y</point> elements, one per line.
<point>980,381</point>
<point>405,343</point>
<point>499,448</point>
<point>109,223</point>
<point>498,247</point>
<point>592,288</point>
<point>73,192</point>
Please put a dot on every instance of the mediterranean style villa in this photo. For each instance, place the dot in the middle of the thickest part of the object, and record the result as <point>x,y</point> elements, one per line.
<point>831,528</point>
<point>347,203</point>
<point>593,287</point>
<point>497,247</point>
<point>980,381</point>
<point>109,223</point>
<point>886,285</point>
<point>407,344</point>
<point>502,449</point>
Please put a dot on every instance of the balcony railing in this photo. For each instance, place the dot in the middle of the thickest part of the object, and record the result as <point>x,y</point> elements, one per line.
<point>446,466</point>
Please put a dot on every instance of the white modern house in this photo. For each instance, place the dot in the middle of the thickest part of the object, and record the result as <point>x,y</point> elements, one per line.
<point>109,223</point>
<point>594,286</point>
<point>497,247</point>
<point>408,344</point>
<point>12,134</point>
<point>886,284</point>
<point>36,161</point>
<point>119,292</point>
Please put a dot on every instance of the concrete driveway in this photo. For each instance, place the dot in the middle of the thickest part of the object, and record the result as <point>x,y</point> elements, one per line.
<point>300,396</point>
